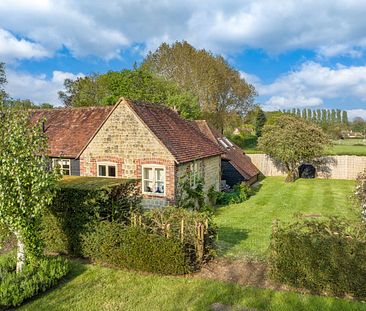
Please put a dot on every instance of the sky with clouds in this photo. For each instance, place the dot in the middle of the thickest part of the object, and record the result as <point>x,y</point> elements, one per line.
<point>296,53</point>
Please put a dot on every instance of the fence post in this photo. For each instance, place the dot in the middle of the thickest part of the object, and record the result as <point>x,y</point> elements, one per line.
<point>182,230</point>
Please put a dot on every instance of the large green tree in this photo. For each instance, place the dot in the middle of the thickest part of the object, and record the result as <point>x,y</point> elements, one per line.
<point>219,87</point>
<point>136,84</point>
<point>260,121</point>
<point>292,141</point>
<point>26,182</point>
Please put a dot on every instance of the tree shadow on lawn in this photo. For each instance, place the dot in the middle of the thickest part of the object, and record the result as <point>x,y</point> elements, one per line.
<point>229,237</point>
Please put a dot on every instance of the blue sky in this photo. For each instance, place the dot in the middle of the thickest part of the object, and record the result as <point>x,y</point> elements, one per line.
<point>296,53</point>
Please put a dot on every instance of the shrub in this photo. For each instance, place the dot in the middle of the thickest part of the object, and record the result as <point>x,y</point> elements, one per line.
<point>240,193</point>
<point>135,248</point>
<point>81,201</point>
<point>245,140</point>
<point>324,256</point>
<point>195,229</point>
<point>34,279</point>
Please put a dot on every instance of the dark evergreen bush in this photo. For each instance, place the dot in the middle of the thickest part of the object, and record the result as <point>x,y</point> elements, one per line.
<point>81,201</point>
<point>326,256</point>
<point>135,248</point>
<point>34,279</point>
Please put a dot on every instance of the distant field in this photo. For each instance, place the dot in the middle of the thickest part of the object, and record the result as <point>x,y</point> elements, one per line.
<point>349,147</point>
<point>340,147</point>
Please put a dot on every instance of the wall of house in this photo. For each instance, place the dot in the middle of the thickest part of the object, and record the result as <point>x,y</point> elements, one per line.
<point>125,140</point>
<point>209,170</point>
<point>336,167</point>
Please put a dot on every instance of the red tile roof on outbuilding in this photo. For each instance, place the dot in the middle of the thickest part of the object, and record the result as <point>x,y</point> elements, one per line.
<point>184,141</point>
<point>69,130</point>
<point>234,154</point>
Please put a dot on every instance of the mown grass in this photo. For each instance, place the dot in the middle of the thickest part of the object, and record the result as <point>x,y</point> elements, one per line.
<point>92,288</point>
<point>244,229</point>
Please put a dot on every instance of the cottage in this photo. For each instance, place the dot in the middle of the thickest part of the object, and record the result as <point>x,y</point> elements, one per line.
<point>236,166</point>
<point>138,140</point>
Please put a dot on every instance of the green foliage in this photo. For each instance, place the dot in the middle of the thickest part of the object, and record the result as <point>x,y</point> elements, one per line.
<point>27,185</point>
<point>260,121</point>
<point>245,141</point>
<point>218,86</point>
<point>292,141</point>
<point>240,193</point>
<point>81,201</point>
<point>189,195</point>
<point>34,278</point>
<point>135,248</point>
<point>136,84</point>
<point>322,256</point>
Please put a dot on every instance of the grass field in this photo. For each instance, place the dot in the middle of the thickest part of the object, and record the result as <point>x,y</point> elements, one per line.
<point>340,147</point>
<point>96,288</point>
<point>244,229</point>
<point>349,147</point>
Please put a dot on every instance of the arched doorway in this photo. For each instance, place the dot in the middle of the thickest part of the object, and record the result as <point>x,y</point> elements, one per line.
<point>307,171</point>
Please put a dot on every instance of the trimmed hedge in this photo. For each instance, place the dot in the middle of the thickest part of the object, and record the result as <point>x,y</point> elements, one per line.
<point>135,248</point>
<point>81,201</point>
<point>325,257</point>
<point>34,279</point>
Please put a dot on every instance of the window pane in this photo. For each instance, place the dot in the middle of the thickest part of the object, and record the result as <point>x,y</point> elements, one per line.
<point>102,170</point>
<point>159,174</point>
<point>111,171</point>
<point>159,187</point>
<point>65,172</point>
<point>148,186</point>
<point>148,173</point>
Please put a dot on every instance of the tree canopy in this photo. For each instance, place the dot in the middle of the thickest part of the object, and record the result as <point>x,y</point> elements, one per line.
<point>3,81</point>
<point>219,87</point>
<point>136,84</point>
<point>26,183</point>
<point>292,141</point>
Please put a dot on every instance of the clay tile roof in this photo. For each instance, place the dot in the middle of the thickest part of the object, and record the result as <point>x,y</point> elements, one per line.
<point>233,154</point>
<point>184,141</point>
<point>69,130</point>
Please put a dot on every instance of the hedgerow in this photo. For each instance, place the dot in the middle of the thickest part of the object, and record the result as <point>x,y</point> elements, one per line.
<point>323,256</point>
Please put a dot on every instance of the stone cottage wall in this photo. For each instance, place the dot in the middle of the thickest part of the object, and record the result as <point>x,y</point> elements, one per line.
<point>125,140</point>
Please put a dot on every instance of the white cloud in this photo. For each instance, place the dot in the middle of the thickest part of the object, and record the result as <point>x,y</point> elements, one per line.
<point>104,29</point>
<point>13,48</point>
<point>313,85</point>
<point>39,89</point>
<point>353,113</point>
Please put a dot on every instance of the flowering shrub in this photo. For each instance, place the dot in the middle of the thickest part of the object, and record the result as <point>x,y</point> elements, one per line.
<point>360,193</point>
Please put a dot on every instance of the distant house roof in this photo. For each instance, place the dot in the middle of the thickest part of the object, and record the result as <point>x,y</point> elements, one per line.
<point>232,152</point>
<point>69,130</point>
<point>184,141</point>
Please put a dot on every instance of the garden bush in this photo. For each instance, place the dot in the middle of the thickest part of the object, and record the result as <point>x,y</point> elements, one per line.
<point>323,256</point>
<point>34,278</point>
<point>240,193</point>
<point>81,201</point>
<point>135,248</point>
<point>245,140</point>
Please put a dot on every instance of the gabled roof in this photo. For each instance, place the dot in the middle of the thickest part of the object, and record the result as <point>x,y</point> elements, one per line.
<point>70,130</point>
<point>232,152</point>
<point>183,140</point>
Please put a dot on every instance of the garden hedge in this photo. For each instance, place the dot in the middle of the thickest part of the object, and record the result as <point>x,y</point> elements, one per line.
<point>135,248</point>
<point>81,201</point>
<point>323,256</point>
<point>34,279</point>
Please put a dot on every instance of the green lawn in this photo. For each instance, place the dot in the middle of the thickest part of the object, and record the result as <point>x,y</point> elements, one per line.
<point>95,288</point>
<point>349,147</point>
<point>244,229</point>
<point>340,147</point>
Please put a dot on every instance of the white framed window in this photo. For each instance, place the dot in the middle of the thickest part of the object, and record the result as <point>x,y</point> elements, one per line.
<point>153,179</point>
<point>107,169</point>
<point>195,173</point>
<point>64,165</point>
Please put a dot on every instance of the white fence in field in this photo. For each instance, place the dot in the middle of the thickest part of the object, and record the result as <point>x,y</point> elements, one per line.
<point>337,167</point>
